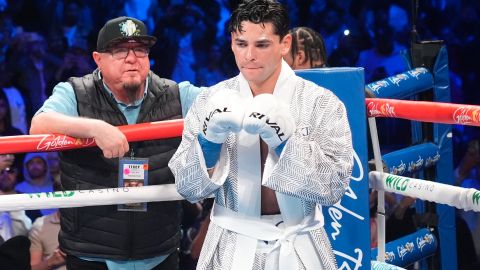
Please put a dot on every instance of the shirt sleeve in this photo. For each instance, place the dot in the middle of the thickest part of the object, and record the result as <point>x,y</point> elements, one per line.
<point>21,223</point>
<point>62,100</point>
<point>188,94</point>
<point>35,233</point>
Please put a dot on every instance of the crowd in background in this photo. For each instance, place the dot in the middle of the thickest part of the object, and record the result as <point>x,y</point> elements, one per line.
<point>46,42</point>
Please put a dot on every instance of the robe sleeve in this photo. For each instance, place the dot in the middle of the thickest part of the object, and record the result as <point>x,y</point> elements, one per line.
<point>188,164</point>
<point>317,166</point>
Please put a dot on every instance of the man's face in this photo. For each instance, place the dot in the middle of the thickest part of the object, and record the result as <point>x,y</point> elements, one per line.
<point>133,183</point>
<point>128,73</point>
<point>258,52</point>
<point>36,167</point>
<point>8,179</point>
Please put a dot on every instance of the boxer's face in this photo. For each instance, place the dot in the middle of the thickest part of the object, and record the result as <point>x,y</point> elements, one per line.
<point>258,52</point>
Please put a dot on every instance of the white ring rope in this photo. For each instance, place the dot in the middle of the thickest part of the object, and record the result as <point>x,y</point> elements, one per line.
<point>93,197</point>
<point>462,198</point>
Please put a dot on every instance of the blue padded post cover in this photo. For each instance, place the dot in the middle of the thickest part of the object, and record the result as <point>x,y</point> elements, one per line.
<point>348,222</point>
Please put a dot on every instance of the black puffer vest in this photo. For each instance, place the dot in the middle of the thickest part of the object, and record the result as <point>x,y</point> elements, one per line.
<point>103,231</point>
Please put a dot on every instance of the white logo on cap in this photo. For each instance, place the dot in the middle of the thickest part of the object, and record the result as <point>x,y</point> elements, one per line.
<point>129,28</point>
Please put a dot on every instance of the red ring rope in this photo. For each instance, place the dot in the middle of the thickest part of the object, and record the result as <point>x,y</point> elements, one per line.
<point>424,111</point>
<point>59,142</point>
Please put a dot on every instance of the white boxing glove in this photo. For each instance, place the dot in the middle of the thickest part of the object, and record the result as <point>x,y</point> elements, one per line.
<point>224,113</point>
<point>271,118</point>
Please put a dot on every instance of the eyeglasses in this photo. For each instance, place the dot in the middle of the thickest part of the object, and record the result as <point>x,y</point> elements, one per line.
<point>7,170</point>
<point>122,53</point>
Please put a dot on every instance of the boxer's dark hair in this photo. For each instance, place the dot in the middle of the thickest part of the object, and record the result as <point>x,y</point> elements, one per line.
<point>260,12</point>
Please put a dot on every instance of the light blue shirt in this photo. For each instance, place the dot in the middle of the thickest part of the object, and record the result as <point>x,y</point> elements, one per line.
<point>63,101</point>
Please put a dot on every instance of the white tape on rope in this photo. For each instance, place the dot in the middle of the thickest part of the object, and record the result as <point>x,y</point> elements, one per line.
<point>462,198</point>
<point>79,198</point>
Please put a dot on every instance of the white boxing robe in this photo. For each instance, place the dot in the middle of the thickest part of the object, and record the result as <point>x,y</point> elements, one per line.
<point>313,170</point>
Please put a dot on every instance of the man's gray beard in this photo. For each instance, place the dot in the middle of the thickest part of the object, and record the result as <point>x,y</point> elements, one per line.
<point>131,89</point>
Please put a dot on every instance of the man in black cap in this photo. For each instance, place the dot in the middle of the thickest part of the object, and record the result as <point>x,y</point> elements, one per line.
<point>122,90</point>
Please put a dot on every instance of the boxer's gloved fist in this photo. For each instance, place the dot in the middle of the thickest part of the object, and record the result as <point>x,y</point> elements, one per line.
<point>224,114</point>
<point>271,118</point>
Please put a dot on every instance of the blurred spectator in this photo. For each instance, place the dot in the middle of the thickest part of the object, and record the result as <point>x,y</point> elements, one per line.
<point>224,10</point>
<point>185,43</point>
<point>185,58</point>
<point>467,175</point>
<point>6,127</point>
<point>25,13</point>
<point>315,8</point>
<point>393,207</point>
<point>346,54</point>
<point>11,102</point>
<point>12,223</point>
<point>76,63</point>
<point>54,166</point>
<point>74,22</point>
<point>330,24</point>
<point>6,119</point>
<point>140,9</point>
<point>6,162</point>
<point>293,11</point>
<point>3,5</point>
<point>308,49</point>
<point>198,236</point>
<point>7,32</point>
<point>57,44</point>
<point>37,177</point>
<point>32,70</point>
<point>359,14</point>
<point>193,215</point>
<point>384,59</point>
<point>401,221</point>
<point>211,73</point>
<point>467,22</point>
<point>398,21</point>
<point>44,251</point>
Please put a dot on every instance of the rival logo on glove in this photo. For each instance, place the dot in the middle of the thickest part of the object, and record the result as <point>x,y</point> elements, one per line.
<point>209,116</point>
<point>271,124</point>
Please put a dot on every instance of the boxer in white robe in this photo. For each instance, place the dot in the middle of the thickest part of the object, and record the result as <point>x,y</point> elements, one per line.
<point>281,149</point>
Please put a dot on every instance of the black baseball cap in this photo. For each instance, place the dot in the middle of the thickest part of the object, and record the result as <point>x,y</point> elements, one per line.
<point>123,29</point>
